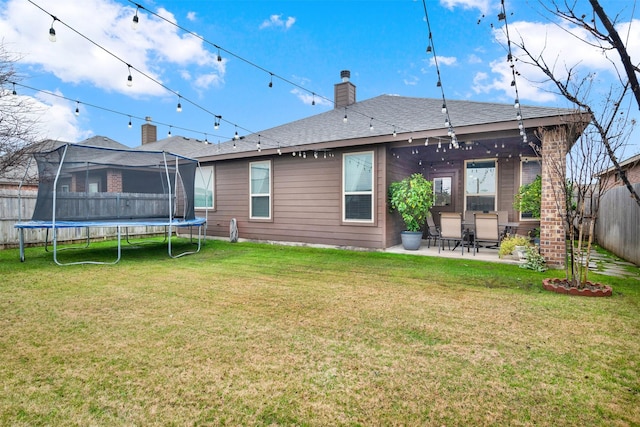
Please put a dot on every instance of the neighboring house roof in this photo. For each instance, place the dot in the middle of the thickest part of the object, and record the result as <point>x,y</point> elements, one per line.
<point>16,174</point>
<point>178,145</point>
<point>386,114</point>
<point>104,142</point>
<point>630,162</point>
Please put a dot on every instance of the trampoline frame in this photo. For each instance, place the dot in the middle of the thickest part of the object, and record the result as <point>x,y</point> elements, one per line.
<point>176,224</point>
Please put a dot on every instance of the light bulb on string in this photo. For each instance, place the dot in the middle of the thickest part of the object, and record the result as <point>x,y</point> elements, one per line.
<point>14,90</point>
<point>169,133</point>
<point>271,80</point>
<point>394,132</point>
<point>219,57</point>
<point>77,108</point>
<point>179,106</point>
<point>135,20</point>
<point>345,119</point>
<point>426,142</point>
<point>52,31</point>
<point>129,125</point>
<point>371,125</point>
<point>516,105</point>
<point>313,100</point>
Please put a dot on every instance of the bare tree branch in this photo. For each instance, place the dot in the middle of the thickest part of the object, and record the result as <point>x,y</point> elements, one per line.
<point>616,42</point>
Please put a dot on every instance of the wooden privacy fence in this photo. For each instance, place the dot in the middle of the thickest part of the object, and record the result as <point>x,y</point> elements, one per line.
<point>13,208</point>
<point>618,224</point>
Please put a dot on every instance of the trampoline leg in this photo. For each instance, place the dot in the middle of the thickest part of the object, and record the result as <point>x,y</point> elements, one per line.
<point>21,238</point>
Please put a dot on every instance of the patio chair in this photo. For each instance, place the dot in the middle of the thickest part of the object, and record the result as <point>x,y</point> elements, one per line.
<point>503,219</point>
<point>451,229</point>
<point>486,230</point>
<point>433,231</point>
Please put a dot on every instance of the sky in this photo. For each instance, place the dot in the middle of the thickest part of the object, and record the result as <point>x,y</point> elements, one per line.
<point>299,46</point>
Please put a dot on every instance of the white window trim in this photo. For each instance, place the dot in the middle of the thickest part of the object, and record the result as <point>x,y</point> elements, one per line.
<point>251,195</point>
<point>202,172</point>
<point>464,175</point>
<point>355,193</point>
<point>523,160</point>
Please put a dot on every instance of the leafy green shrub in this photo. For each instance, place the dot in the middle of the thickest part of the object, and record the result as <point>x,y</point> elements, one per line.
<point>509,243</point>
<point>529,197</point>
<point>412,198</point>
<point>534,260</point>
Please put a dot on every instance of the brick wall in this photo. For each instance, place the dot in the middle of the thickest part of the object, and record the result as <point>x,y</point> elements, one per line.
<point>552,232</point>
<point>114,181</point>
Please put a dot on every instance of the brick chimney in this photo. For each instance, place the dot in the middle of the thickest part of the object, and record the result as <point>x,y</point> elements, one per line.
<point>344,93</point>
<point>149,132</point>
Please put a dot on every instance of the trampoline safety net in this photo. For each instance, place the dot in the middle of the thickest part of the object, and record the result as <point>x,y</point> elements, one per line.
<point>85,183</point>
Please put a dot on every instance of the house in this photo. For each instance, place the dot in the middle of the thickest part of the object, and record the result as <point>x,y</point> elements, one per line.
<point>324,179</point>
<point>631,167</point>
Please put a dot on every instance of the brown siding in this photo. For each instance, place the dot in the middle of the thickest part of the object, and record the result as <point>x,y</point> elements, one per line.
<point>306,202</point>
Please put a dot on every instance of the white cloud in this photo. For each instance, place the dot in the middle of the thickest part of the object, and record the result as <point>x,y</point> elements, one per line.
<point>205,81</point>
<point>308,98</point>
<point>155,47</point>
<point>411,80</point>
<point>275,21</point>
<point>562,48</point>
<point>55,118</point>
<point>482,5</point>
<point>191,16</point>
<point>474,59</point>
<point>443,60</point>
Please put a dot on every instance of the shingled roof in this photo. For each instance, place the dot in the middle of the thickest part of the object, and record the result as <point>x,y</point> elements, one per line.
<point>385,114</point>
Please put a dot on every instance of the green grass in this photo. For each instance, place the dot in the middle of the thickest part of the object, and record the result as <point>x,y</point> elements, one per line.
<point>254,334</point>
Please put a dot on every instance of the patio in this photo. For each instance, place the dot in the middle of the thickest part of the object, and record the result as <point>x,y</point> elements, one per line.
<point>484,254</point>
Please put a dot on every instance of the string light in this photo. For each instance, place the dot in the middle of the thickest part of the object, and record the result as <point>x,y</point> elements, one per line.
<point>129,77</point>
<point>502,16</point>
<point>134,22</point>
<point>179,106</point>
<point>371,125</point>
<point>169,134</point>
<point>14,89</point>
<point>129,125</point>
<point>52,31</point>
<point>445,110</point>
<point>345,119</point>
<point>219,57</point>
<point>77,108</point>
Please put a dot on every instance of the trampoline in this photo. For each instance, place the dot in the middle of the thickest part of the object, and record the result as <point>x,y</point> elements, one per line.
<point>83,186</point>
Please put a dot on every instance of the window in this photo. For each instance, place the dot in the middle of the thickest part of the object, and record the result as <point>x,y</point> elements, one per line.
<point>260,198</point>
<point>442,191</point>
<point>203,187</point>
<point>480,185</point>
<point>357,172</point>
<point>94,186</point>
<point>530,168</point>
<point>64,188</point>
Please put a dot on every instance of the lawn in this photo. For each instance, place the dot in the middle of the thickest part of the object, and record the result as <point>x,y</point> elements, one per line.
<point>256,334</point>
